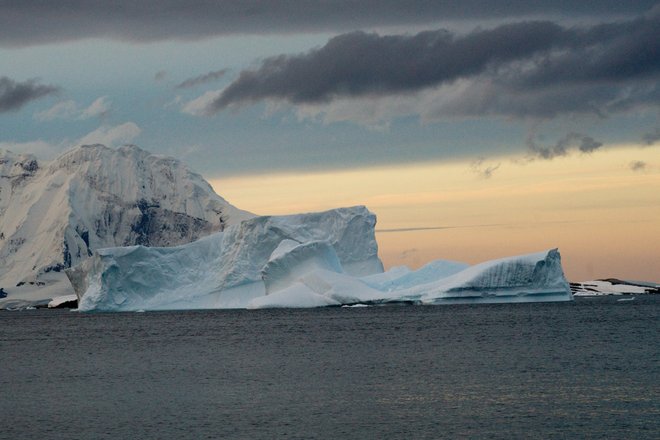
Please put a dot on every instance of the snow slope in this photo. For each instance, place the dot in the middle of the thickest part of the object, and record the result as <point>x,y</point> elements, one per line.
<point>227,269</point>
<point>53,215</point>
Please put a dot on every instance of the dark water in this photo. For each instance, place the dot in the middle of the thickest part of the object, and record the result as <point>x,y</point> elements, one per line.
<point>588,369</point>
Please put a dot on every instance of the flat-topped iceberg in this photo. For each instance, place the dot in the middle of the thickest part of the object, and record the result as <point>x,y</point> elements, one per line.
<point>222,270</point>
<point>306,260</point>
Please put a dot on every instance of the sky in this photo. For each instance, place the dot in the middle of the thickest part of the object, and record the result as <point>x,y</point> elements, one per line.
<point>474,130</point>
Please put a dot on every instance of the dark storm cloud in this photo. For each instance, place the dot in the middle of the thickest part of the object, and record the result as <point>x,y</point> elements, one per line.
<point>572,141</point>
<point>536,68</point>
<point>362,63</point>
<point>202,79</point>
<point>14,94</point>
<point>25,22</point>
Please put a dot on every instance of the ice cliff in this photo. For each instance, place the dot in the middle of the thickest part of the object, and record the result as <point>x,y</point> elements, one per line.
<point>55,214</point>
<point>305,260</point>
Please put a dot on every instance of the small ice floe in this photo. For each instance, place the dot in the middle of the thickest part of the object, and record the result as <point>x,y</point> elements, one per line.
<point>64,302</point>
<point>625,299</point>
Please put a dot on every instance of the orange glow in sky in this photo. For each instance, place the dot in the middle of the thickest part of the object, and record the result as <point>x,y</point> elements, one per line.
<point>603,216</point>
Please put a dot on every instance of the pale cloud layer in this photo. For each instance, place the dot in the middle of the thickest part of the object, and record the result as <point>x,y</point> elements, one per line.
<point>40,148</point>
<point>111,136</point>
<point>69,110</point>
<point>201,106</point>
<point>62,110</point>
<point>100,107</point>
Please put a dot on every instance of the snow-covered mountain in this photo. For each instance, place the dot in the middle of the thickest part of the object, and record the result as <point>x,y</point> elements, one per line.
<point>53,215</point>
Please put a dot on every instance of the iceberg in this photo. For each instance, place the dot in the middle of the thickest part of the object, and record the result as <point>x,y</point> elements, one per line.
<point>224,270</point>
<point>532,277</point>
<point>526,278</point>
<point>306,260</point>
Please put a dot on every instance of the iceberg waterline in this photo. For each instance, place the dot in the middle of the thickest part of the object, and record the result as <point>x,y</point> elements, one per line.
<point>305,260</point>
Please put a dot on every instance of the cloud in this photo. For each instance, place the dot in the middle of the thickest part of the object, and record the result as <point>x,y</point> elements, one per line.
<point>202,79</point>
<point>638,165</point>
<point>481,169</point>
<point>535,69</point>
<point>40,148</point>
<point>572,141</point>
<point>202,106</point>
<point>27,22</point>
<point>61,110</point>
<point>106,135</point>
<point>100,107</point>
<point>69,110</point>
<point>359,64</point>
<point>111,136</point>
<point>14,94</point>
<point>421,228</point>
<point>651,137</point>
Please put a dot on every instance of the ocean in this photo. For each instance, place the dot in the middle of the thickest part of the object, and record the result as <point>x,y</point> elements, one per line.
<point>586,369</point>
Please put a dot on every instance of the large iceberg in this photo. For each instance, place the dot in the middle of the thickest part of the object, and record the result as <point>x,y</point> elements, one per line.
<point>306,260</point>
<point>223,270</point>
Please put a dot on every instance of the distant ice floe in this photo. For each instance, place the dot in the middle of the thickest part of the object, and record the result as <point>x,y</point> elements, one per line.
<point>613,286</point>
<point>305,260</point>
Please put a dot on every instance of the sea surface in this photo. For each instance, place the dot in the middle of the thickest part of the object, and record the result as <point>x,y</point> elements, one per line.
<point>586,369</point>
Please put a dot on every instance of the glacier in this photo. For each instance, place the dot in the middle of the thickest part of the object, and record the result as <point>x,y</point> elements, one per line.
<point>304,260</point>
